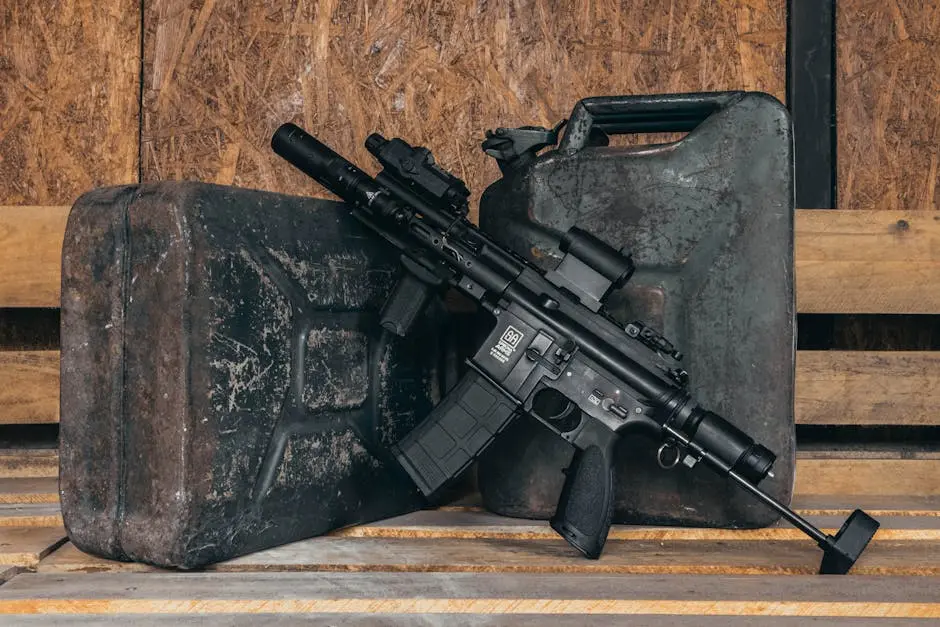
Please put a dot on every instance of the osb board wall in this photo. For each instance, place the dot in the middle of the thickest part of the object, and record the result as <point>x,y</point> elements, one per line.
<point>221,75</point>
<point>69,98</point>
<point>888,104</point>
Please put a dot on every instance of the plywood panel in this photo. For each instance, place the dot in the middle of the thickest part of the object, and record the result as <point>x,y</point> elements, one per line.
<point>30,392</point>
<point>221,75</point>
<point>888,112</point>
<point>69,98</point>
<point>868,388</point>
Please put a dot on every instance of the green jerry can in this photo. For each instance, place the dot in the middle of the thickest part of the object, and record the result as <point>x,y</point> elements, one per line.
<point>708,220</point>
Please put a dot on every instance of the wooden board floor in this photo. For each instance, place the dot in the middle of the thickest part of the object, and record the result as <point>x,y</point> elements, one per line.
<point>462,565</point>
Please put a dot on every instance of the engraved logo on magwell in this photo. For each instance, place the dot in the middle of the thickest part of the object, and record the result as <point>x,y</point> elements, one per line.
<point>506,345</point>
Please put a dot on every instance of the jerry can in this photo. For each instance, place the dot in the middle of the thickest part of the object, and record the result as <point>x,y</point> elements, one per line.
<point>708,219</point>
<point>225,383</point>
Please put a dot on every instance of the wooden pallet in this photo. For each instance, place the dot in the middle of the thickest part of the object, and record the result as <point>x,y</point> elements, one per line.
<point>463,561</point>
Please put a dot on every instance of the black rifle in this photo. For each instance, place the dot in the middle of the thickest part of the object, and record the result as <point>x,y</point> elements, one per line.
<point>553,353</point>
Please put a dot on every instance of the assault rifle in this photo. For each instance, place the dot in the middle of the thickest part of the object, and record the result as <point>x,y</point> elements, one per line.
<point>553,353</point>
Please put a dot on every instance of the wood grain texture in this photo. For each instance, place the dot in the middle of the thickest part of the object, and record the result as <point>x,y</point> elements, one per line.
<point>30,515</point>
<point>443,555</point>
<point>41,490</point>
<point>868,476</point>
<point>69,98</point>
<point>868,388</point>
<point>373,619</point>
<point>523,545</point>
<point>25,546</point>
<point>31,255</point>
<point>416,607</point>
<point>29,463</point>
<point>867,261</point>
<point>477,525</point>
<point>222,75</point>
<point>466,598</point>
<point>30,392</point>
<point>887,81</point>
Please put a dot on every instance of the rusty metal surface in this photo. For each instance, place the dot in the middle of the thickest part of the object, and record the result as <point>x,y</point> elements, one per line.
<point>225,384</point>
<point>709,221</point>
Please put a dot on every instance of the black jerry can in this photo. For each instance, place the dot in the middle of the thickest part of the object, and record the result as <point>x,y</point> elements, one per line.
<point>709,222</point>
<point>226,385</point>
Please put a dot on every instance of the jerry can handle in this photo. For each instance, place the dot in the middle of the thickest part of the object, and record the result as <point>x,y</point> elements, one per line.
<point>658,113</point>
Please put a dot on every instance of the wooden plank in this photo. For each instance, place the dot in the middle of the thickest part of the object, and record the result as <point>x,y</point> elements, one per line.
<point>30,394</point>
<point>29,463</point>
<point>867,261</point>
<point>868,477</point>
<point>868,387</point>
<point>468,594</point>
<point>448,620</point>
<point>877,505</point>
<point>69,559</point>
<point>220,77</point>
<point>438,554</point>
<point>888,78</point>
<point>454,527</point>
<point>31,255</point>
<point>483,525</point>
<point>449,527</point>
<point>69,88</point>
<point>30,515</point>
<point>25,546</point>
<point>41,490</point>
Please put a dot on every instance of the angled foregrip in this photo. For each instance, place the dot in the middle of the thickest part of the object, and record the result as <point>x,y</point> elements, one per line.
<point>455,433</point>
<point>587,498</point>
<point>409,297</point>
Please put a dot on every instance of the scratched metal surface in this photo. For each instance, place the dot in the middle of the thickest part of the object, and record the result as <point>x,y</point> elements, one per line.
<point>225,384</point>
<point>709,221</point>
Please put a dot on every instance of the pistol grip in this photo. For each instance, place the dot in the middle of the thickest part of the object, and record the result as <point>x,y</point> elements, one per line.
<point>454,433</point>
<point>586,504</point>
